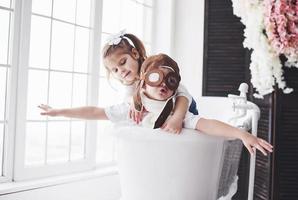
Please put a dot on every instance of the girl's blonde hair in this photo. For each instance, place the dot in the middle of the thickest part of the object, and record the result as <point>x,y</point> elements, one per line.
<point>125,47</point>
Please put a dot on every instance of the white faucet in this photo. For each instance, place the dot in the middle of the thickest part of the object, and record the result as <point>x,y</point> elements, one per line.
<point>248,121</point>
<point>240,113</point>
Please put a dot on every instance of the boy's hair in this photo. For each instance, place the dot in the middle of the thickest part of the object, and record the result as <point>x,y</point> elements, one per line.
<point>150,63</point>
<point>124,46</point>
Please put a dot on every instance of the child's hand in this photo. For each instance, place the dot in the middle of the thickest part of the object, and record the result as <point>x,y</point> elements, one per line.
<point>173,125</point>
<point>136,116</point>
<point>251,142</point>
<point>47,110</point>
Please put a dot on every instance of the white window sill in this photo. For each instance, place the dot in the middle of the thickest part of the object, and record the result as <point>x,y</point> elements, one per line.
<point>12,187</point>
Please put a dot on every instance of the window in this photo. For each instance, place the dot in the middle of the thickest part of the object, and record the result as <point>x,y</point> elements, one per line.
<point>50,53</point>
<point>58,61</point>
<point>6,13</point>
<point>56,71</point>
<point>135,17</point>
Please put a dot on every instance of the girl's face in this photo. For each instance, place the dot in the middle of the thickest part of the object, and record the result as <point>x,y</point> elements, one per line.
<point>123,66</point>
<point>161,92</point>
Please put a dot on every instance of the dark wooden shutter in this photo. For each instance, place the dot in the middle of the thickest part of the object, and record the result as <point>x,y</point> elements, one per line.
<point>224,64</point>
<point>285,176</point>
<point>263,171</point>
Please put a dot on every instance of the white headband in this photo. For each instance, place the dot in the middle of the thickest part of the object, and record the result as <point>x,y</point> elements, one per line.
<point>115,39</point>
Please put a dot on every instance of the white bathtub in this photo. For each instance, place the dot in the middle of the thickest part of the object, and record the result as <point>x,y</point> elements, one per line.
<point>156,165</point>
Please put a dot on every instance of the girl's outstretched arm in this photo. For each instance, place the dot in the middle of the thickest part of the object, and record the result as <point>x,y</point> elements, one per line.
<point>218,128</point>
<point>175,122</point>
<point>86,112</point>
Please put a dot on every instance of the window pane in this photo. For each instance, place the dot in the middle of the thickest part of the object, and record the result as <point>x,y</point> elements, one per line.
<point>43,7</point>
<point>81,49</point>
<point>60,89</point>
<point>1,147</point>
<point>146,2</point>
<point>111,16</point>
<point>129,16</point>
<point>140,25</point>
<point>135,16</point>
<point>148,48</point>
<point>39,42</point>
<point>108,92</point>
<point>65,10</point>
<point>58,142</point>
<point>102,69</point>
<point>83,12</point>
<point>62,46</point>
<point>37,93</point>
<point>148,28</point>
<point>35,143</point>
<point>2,92</point>
<point>105,142</point>
<point>79,90</point>
<point>4,24</point>
<point>5,3</point>
<point>77,140</point>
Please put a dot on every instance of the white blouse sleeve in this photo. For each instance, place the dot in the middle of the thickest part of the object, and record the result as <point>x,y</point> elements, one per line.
<point>182,91</point>
<point>117,113</point>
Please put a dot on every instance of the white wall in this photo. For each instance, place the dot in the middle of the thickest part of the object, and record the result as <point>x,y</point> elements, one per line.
<point>163,24</point>
<point>179,32</point>
<point>188,42</point>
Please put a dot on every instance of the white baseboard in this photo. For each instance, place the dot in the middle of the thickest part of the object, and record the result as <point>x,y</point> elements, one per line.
<point>93,188</point>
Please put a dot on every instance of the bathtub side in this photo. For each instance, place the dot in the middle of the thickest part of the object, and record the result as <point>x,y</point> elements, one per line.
<point>161,166</point>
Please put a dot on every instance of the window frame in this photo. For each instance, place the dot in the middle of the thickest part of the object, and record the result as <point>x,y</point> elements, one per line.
<point>9,131</point>
<point>22,172</point>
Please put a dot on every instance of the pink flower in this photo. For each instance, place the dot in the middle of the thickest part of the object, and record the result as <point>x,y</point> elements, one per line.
<point>281,22</point>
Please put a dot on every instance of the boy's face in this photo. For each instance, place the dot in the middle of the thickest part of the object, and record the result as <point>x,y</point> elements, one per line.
<point>123,67</point>
<point>161,92</point>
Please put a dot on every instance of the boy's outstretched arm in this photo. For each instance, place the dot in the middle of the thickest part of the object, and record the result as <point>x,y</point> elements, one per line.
<point>218,128</point>
<point>175,122</point>
<point>86,112</point>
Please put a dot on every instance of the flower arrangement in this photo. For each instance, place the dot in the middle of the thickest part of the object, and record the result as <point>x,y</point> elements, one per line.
<point>271,30</point>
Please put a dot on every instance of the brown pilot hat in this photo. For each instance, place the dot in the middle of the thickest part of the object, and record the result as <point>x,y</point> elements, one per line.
<point>151,63</point>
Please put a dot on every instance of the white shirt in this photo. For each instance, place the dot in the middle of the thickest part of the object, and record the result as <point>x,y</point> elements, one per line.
<point>119,113</point>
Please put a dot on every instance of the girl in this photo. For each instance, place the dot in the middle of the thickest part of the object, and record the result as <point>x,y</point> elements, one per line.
<point>123,56</point>
<point>157,87</point>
